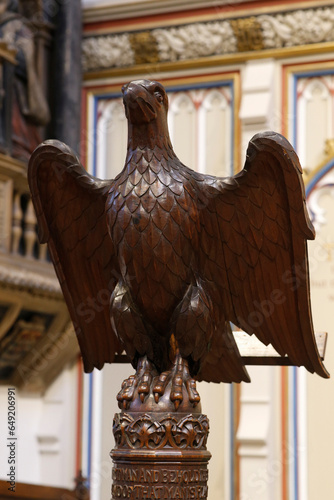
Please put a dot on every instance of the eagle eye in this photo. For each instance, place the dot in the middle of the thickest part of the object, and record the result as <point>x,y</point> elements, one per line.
<point>159,96</point>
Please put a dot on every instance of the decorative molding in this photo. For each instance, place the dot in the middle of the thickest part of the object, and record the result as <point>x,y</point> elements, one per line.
<point>206,39</point>
<point>29,281</point>
<point>145,47</point>
<point>158,431</point>
<point>107,51</point>
<point>248,34</point>
<point>125,9</point>
<point>300,27</point>
<point>195,40</point>
<point>103,10</point>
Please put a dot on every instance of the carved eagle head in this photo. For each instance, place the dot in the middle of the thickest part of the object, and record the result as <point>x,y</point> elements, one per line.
<point>144,100</point>
<point>146,106</point>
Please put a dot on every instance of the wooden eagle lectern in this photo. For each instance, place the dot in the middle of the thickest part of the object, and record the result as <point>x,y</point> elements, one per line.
<point>180,255</point>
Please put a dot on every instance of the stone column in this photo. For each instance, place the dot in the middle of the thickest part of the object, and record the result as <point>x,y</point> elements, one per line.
<point>66,72</point>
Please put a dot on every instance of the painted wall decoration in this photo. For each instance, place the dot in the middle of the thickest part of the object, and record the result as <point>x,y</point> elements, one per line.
<point>212,38</point>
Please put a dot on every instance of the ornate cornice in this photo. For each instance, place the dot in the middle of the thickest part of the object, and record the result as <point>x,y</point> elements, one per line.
<point>191,41</point>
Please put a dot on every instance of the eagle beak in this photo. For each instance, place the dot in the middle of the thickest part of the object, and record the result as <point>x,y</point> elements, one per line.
<point>139,103</point>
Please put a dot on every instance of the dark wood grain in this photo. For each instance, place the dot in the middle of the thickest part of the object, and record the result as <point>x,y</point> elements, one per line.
<point>25,491</point>
<point>159,260</point>
<point>160,455</point>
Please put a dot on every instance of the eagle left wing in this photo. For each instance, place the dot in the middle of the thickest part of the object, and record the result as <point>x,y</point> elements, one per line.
<point>259,220</point>
<point>70,209</point>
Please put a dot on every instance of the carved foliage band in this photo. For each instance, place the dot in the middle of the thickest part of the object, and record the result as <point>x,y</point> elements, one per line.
<point>148,432</point>
<point>195,40</point>
<point>203,39</point>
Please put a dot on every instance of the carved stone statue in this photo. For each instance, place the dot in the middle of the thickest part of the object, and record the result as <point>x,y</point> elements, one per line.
<point>30,108</point>
<point>161,259</point>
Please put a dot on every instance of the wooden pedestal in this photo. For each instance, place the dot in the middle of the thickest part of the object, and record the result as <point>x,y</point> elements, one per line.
<point>160,456</point>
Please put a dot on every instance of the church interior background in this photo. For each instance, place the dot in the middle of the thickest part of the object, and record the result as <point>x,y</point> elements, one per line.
<point>231,69</point>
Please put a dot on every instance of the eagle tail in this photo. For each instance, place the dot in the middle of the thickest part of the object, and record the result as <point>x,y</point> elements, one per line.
<point>223,362</point>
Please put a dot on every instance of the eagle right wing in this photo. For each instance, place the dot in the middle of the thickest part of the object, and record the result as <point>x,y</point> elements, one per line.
<point>70,209</point>
<point>255,227</point>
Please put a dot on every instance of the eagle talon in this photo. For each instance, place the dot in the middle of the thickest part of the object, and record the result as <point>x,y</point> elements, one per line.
<point>126,393</point>
<point>194,397</point>
<point>160,386</point>
<point>145,384</point>
<point>180,382</point>
<point>138,384</point>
